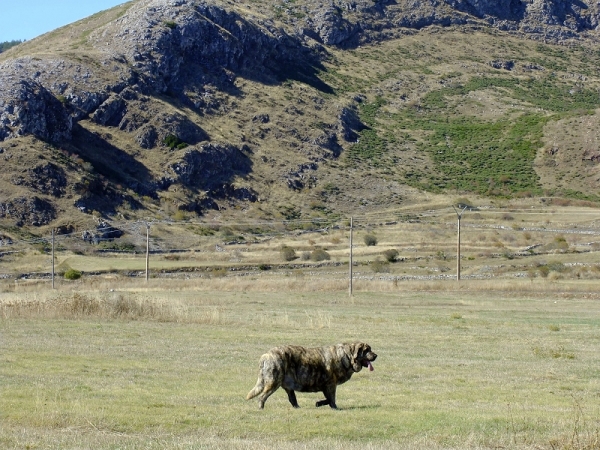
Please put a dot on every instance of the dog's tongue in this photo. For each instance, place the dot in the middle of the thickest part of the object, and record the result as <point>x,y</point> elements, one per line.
<point>371,367</point>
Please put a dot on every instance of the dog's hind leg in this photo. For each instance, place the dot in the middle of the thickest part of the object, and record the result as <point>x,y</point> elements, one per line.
<point>292,398</point>
<point>269,388</point>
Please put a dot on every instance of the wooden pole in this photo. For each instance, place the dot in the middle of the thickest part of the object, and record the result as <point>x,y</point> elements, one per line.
<point>350,263</point>
<point>52,258</point>
<point>459,215</point>
<point>147,250</point>
<point>458,253</point>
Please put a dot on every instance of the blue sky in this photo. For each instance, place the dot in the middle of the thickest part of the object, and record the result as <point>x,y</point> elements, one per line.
<point>26,19</point>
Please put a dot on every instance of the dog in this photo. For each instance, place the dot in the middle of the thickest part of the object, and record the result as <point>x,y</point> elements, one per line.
<point>302,369</point>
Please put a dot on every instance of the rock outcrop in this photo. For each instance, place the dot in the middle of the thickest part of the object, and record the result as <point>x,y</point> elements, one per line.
<point>48,179</point>
<point>33,211</point>
<point>27,107</point>
<point>209,165</point>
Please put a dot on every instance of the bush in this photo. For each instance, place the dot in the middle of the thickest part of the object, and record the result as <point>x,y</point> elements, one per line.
<point>287,253</point>
<point>370,240</point>
<point>72,274</point>
<point>391,255</point>
<point>117,246</point>
<point>174,142</point>
<point>319,255</point>
<point>380,266</point>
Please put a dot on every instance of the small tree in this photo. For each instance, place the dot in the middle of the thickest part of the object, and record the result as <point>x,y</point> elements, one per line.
<point>370,240</point>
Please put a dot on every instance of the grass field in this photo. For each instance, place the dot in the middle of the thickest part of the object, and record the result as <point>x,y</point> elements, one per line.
<point>167,365</point>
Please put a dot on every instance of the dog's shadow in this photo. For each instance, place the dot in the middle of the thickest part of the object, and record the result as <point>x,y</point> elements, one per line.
<point>360,407</point>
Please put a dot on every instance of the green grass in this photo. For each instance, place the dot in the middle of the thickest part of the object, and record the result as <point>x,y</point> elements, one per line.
<point>490,158</point>
<point>455,370</point>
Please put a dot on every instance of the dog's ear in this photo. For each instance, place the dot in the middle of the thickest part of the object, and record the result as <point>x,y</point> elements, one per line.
<point>357,351</point>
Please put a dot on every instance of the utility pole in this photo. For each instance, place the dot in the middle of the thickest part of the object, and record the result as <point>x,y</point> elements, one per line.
<point>350,264</point>
<point>52,258</point>
<point>459,215</point>
<point>147,249</point>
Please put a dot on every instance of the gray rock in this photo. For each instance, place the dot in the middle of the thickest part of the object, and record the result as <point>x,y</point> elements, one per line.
<point>331,26</point>
<point>210,165</point>
<point>32,211</point>
<point>104,232</point>
<point>27,107</point>
<point>47,179</point>
<point>350,124</point>
<point>502,64</point>
<point>146,137</point>
<point>111,112</point>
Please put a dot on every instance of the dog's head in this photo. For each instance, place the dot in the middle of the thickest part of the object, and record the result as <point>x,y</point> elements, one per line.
<point>362,356</point>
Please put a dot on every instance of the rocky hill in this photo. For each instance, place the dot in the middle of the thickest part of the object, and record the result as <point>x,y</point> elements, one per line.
<point>297,108</point>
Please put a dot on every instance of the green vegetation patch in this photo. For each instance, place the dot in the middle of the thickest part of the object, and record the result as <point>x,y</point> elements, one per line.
<point>174,142</point>
<point>372,143</point>
<point>492,158</point>
<point>489,157</point>
<point>8,44</point>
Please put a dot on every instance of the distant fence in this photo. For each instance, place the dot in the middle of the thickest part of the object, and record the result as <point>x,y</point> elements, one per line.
<point>493,243</point>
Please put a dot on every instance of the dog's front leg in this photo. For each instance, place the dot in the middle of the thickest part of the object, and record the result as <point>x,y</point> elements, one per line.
<point>329,398</point>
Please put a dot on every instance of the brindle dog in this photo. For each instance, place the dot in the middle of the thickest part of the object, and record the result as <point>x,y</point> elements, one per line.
<point>302,369</point>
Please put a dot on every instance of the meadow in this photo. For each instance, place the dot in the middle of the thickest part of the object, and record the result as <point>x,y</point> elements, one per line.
<point>123,364</point>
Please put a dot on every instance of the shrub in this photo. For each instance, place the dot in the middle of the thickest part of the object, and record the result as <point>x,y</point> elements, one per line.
<point>72,274</point>
<point>174,142</point>
<point>287,253</point>
<point>264,267</point>
<point>380,266</point>
<point>370,240</point>
<point>179,215</point>
<point>218,272</point>
<point>319,255</point>
<point>117,246</point>
<point>391,255</point>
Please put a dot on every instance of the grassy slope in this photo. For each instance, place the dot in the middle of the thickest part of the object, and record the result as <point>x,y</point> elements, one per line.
<point>443,119</point>
<point>456,370</point>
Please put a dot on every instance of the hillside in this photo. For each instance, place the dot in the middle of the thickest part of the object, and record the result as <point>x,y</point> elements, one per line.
<point>297,109</point>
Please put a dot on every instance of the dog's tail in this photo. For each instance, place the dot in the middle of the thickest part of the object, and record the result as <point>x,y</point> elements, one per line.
<point>260,385</point>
